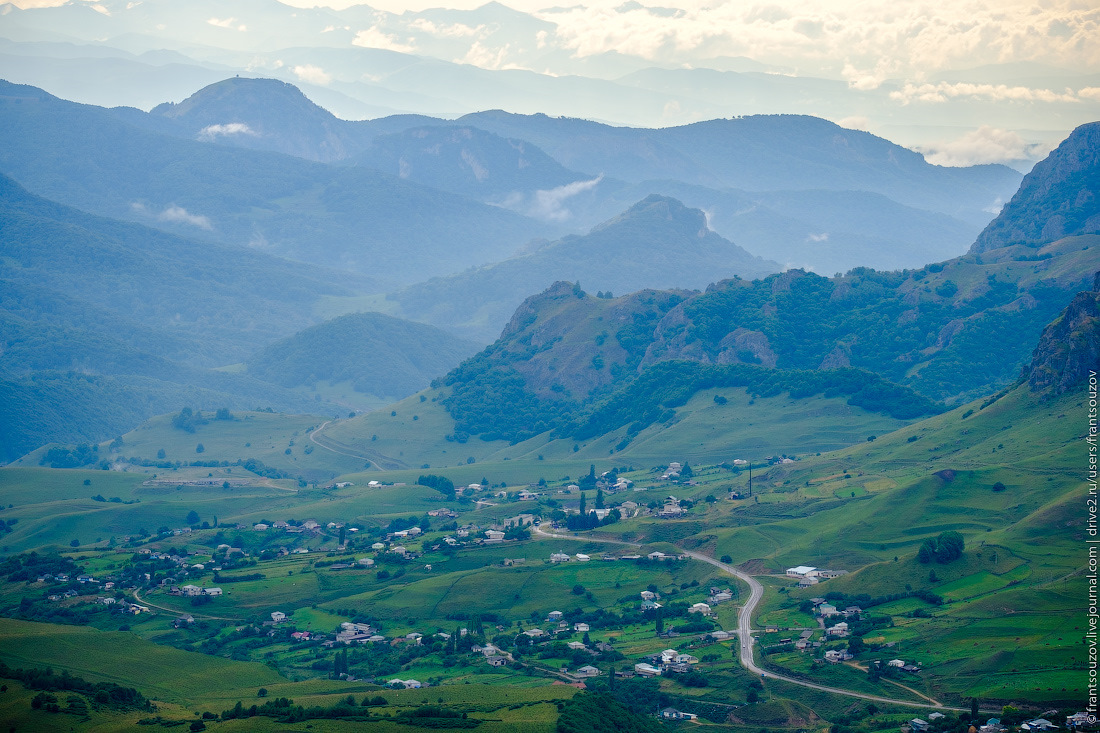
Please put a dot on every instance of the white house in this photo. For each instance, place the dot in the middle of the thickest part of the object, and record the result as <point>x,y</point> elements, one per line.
<point>582,627</point>
<point>582,558</point>
<point>646,670</point>
<point>702,608</point>
<point>278,616</point>
<point>587,671</point>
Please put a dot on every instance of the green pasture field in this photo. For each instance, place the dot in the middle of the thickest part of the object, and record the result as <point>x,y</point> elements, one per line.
<point>1005,629</point>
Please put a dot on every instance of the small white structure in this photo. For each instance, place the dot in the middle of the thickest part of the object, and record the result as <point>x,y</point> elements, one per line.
<point>581,627</point>
<point>559,557</point>
<point>582,558</point>
<point>588,671</point>
<point>800,571</point>
<point>554,616</point>
<point>646,670</point>
<point>699,608</point>
<point>278,616</point>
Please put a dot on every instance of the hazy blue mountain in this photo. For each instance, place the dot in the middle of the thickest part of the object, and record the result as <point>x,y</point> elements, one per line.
<point>1059,197</point>
<point>379,354</point>
<point>348,217</point>
<point>761,153</point>
<point>469,161</point>
<point>111,322</point>
<point>211,304</point>
<point>657,243</point>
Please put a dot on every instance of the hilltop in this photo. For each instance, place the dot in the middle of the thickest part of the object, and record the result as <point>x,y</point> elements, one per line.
<point>377,354</point>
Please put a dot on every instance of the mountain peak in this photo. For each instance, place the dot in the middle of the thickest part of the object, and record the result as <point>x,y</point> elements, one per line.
<point>1060,197</point>
<point>266,114</point>
<point>662,211</point>
<point>1070,346</point>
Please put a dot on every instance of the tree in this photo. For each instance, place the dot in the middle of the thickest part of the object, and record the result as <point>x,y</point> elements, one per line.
<point>161,455</point>
<point>856,645</point>
<point>926,552</point>
<point>686,471</point>
<point>949,546</point>
<point>726,559</point>
<point>192,517</point>
<point>973,707</point>
<point>583,504</point>
<point>660,622</point>
<point>199,448</point>
<point>599,498</point>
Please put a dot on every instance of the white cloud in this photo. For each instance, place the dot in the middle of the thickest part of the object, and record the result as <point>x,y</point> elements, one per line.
<point>183,216</point>
<point>987,144</point>
<point>221,22</point>
<point>375,38</point>
<point>944,92</point>
<point>486,58</point>
<point>823,237</point>
<point>855,123</point>
<point>210,132</point>
<point>312,74</point>
<point>448,30</point>
<point>174,214</point>
<point>549,205</point>
<point>100,9</point>
<point>872,41</point>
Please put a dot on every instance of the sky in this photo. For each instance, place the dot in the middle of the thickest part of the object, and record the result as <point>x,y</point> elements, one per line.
<point>867,41</point>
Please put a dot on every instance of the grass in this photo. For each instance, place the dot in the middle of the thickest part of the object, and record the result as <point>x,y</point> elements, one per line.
<point>157,671</point>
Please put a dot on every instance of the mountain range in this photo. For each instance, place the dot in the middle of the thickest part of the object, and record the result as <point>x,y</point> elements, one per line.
<point>950,331</point>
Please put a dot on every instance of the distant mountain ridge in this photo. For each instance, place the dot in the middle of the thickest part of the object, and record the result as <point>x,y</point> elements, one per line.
<point>762,179</point>
<point>656,243</point>
<point>345,217</point>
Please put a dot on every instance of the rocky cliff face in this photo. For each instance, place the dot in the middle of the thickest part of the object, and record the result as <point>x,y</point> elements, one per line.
<point>1069,347</point>
<point>1060,197</point>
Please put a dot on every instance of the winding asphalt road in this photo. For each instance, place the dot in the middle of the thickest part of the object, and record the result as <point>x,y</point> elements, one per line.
<point>744,628</point>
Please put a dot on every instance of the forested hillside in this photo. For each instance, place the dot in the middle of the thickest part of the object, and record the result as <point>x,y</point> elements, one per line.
<point>377,354</point>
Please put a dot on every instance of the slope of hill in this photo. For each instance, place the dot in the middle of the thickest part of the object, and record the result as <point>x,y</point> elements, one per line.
<point>348,217</point>
<point>106,323</point>
<point>657,243</point>
<point>1060,197</point>
<point>950,331</point>
<point>378,354</point>
<point>194,301</point>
